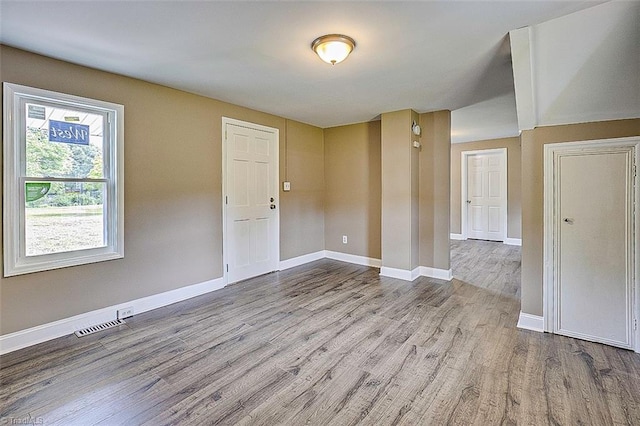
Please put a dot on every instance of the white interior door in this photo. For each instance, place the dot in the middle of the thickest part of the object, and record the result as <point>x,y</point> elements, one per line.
<point>486,200</point>
<point>251,200</point>
<point>594,259</point>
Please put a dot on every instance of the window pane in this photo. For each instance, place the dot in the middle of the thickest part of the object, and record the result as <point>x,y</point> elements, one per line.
<point>63,143</point>
<point>63,216</point>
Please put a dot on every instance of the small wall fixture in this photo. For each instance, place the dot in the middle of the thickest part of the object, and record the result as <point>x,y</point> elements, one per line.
<point>415,128</point>
<point>333,48</point>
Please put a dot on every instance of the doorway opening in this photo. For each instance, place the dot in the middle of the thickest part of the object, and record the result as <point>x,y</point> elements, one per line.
<point>484,195</point>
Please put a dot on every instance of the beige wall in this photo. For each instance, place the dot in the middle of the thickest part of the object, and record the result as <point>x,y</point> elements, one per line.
<point>533,142</point>
<point>417,181</point>
<point>302,209</point>
<point>353,200</point>
<point>435,194</point>
<point>514,228</point>
<point>173,192</point>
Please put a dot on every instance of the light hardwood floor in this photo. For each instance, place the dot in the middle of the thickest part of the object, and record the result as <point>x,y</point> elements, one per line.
<point>331,343</point>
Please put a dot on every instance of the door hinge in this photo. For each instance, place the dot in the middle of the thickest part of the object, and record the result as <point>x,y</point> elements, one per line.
<point>635,171</point>
<point>635,323</point>
<point>226,199</point>
<point>227,267</point>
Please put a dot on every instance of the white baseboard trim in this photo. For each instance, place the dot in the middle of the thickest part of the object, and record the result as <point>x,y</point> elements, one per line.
<point>401,274</point>
<point>41,333</point>
<point>531,322</point>
<point>301,260</point>
<point>352,258</point>
<point>416,272</point>
<point>508,241</point>
<point>513,241</point>
<point>425,271</point>
<point>441,274</point>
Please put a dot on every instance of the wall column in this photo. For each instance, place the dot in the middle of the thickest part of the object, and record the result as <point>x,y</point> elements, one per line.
<point>435,194</point>
<point>400,196</point>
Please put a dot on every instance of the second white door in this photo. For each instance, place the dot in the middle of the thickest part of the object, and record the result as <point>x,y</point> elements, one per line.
<point>251,200</point>
<point>486,200</point>
<point>593,242</point>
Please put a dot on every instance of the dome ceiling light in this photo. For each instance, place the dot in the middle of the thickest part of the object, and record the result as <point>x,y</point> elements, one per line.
<point>333,48</point>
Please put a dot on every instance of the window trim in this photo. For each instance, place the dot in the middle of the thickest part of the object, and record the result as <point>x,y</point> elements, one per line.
<point>15,260</point>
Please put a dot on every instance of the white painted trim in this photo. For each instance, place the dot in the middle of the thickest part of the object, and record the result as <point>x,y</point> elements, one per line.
<point>42,333</point>
<point>463,192</point>
<point>531,322</point>
<point>441,274</point>
<point>551,151</point>
<point>508,241</point>
<point>415,273</point>
<point>590,338</point>
<point>352,258</point>
<point>16,262</point>
<point>401,274</point>
<point>275,245</point>
<point>424,271</point>
<point>301,260</point>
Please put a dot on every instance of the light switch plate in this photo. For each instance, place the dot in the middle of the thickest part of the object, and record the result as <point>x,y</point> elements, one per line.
<point>286,186</point>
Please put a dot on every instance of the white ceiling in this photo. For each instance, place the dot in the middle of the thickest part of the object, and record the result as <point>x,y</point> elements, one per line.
<point>426,56</point>
<point>491,119</point>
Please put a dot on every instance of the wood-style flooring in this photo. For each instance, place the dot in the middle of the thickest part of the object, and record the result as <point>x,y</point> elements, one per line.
<point>330,343</point>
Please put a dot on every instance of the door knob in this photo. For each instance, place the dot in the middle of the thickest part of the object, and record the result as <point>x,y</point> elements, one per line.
<point>468,201</point>
<point>272,206</point>
<point>568,220</point>
<point>272,199</point>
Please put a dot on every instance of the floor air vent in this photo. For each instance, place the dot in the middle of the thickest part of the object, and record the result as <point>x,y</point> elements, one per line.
<point>99,327</point>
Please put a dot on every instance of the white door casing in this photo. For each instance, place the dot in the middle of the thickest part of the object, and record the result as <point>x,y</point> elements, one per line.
<point>484,194</point>
<point>250,200</point>
<point>590,241</point>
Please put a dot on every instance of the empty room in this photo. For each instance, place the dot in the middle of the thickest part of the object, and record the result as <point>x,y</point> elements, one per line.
<point>313,213</point>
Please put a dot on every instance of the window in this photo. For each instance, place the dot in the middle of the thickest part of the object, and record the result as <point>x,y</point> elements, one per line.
<point>63,180</point>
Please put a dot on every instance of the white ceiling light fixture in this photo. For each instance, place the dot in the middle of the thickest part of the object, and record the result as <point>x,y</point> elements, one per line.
<point>333,48</point>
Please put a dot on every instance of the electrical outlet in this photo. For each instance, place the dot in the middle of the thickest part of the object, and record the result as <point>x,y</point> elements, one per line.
<point>344,239</point>
<point>125,312</point>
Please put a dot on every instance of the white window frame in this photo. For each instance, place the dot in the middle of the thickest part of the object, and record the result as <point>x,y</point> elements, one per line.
<point>15,260</point>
